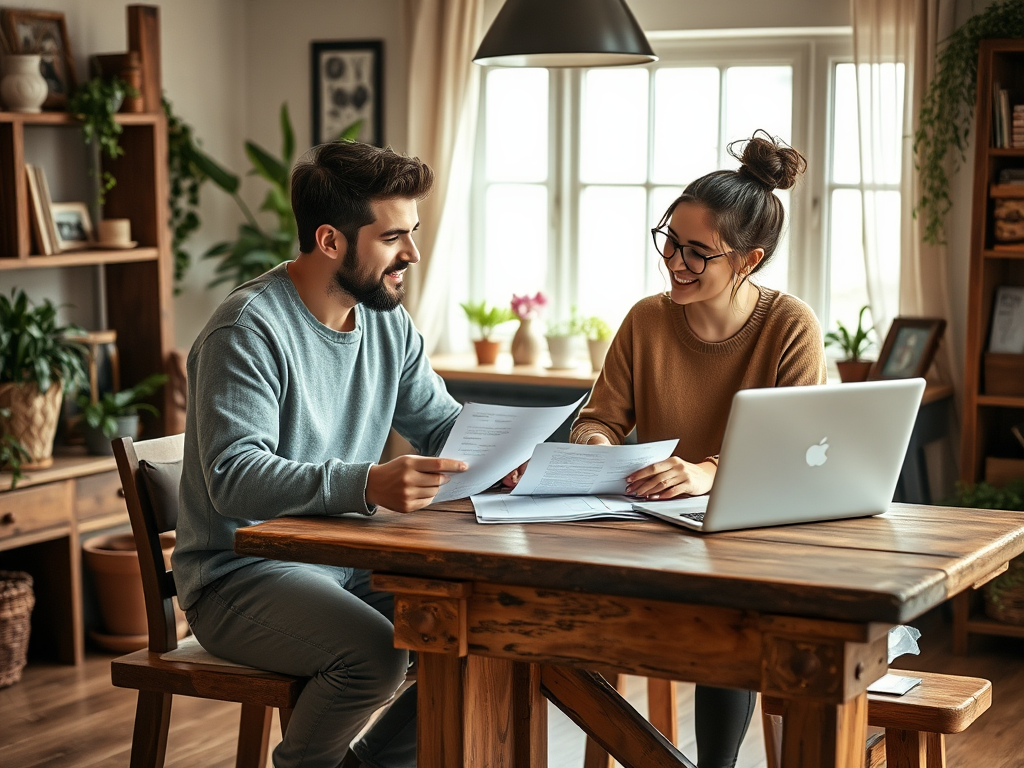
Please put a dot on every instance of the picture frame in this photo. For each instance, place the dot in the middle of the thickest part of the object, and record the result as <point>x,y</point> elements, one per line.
<point>74,227</point>
<point>1007,334</point>
<point>909,348</point>
<point>347,82</point>
<point>45,33</point>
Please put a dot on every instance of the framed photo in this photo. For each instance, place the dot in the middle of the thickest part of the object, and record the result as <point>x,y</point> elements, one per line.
<point>1007,335</point>
<point>74,228</point>
<point>45,33</point>
<point>347,87</point>
<point>909,348</point>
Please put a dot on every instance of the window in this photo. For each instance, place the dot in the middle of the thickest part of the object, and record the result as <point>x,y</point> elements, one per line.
<point>575,167</point>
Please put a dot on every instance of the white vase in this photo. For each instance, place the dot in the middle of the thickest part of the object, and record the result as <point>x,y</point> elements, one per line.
<point>598,349</point>
<point>526,344</point>
<point>560,348</point>
<point>23,88</point>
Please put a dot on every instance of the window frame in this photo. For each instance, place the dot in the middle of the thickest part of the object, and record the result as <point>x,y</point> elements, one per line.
<point>812,57</point>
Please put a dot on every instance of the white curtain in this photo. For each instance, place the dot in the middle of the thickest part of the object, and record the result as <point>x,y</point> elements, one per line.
<point>894,44</point>
<point>444,88</point>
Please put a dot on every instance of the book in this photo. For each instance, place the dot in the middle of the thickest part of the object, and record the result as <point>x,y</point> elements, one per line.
<point>40,228</point>
<point>997,122</point>
<point>46,203</point>
<point>1004,116</point>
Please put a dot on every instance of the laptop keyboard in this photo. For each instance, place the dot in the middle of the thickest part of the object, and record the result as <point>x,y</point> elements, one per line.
<point>697,517</point>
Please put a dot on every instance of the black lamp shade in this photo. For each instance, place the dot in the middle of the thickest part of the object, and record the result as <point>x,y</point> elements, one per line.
<point>564,33</point>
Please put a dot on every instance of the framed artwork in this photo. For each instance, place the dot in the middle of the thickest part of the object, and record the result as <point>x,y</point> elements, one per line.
<point>74,228</point>
<point>45,33</point>
<point>347,87</point>
<point>1007,335</point>
<point>909,348</point>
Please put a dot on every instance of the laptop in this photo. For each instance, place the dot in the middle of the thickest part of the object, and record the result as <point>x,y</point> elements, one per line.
<point>804,454</point>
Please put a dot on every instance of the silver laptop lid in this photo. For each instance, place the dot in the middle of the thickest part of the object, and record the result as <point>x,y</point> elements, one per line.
<point>799,454</point>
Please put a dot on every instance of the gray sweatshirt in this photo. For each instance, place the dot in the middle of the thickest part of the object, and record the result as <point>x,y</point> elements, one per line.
<point>286,416</point>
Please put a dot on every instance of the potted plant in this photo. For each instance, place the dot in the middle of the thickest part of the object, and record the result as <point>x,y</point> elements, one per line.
<point>38,363</point>
<point>95,103</point>
<point>526,341</point>
<point>852,366</point>
<point>116,414</point>
<point>560,337</point>
<point>486,319</point>
<point>599,338</point>
<point>11,453</point>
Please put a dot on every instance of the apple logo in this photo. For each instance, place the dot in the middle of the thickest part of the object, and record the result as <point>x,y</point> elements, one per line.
<point>816,454</point>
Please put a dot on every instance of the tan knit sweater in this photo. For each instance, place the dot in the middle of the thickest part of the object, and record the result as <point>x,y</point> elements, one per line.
<point>662,379</point>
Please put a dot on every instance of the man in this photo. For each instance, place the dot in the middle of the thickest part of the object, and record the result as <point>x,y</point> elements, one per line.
<point>293,387</point>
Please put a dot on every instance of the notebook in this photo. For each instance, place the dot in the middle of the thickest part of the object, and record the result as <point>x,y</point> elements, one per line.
<point>804,454</point>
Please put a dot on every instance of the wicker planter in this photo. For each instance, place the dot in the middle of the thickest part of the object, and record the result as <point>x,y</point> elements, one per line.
<point>1004,595</point>
<point>16,602</point>
<point>33,421</point>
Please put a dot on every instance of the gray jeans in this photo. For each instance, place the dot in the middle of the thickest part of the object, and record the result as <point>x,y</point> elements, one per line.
<point>326,624</point>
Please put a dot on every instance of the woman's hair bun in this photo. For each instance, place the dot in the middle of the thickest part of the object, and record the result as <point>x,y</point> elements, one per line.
<point>769,160</point>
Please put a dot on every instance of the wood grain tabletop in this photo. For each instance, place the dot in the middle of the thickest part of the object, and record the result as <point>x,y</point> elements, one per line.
<point>889,568</point>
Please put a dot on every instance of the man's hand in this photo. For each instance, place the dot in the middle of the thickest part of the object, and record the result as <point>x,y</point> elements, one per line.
<point>409,483</point>
<point>670,478</point>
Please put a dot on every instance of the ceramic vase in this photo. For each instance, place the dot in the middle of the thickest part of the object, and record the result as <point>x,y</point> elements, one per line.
<point>98,444</point>
<point>23,88</point>
<point>560,349</point>
<point>526,344</point>
<point>598,348</point>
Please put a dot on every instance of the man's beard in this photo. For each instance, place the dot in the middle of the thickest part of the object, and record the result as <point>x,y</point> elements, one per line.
<point>373,293</point>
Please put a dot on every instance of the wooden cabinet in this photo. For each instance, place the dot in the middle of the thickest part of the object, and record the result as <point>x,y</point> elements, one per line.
<point>989,409</point>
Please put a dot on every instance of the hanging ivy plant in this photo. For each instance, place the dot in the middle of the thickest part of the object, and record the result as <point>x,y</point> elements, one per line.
<point>95,103</point>
<point>947,109</point>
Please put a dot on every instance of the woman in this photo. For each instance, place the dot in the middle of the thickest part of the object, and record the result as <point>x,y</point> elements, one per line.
<point>679,357</point>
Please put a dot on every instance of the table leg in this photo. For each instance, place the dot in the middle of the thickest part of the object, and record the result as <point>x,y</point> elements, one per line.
<point>816,735</point>
<point>439,711</point>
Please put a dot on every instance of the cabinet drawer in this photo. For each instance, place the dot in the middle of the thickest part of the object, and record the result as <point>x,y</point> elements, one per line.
<point>99,496</point>
<point>33,509</point>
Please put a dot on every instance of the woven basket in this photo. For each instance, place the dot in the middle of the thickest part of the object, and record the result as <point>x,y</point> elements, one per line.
<point>33,421</point>
<point>1006,603</point>
<point>16,602</point>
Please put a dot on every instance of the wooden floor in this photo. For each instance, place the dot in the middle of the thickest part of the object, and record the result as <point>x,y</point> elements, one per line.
<point>74,718</point>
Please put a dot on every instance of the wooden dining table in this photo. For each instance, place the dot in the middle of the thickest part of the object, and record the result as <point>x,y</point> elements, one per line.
<point>506,616</point>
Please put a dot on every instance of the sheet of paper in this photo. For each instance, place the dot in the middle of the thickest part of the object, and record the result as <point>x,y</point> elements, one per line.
<point>896,685</point>
<point>674,506</point>
<point>493,440</point>
<point>563,469</point>
<point>505,508</point>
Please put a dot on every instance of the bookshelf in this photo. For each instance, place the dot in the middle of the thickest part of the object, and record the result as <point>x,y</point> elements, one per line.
<point>988,415</point>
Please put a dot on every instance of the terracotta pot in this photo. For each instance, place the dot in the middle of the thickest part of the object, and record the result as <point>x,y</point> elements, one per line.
<point>854,370</point>
<point>486,351</point>
<point>33,421</point>
<point>526,344</point>
<point>598,349</point>
<point>114,564</point>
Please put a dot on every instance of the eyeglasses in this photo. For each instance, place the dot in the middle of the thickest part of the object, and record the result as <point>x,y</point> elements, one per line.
<point>668,246</point>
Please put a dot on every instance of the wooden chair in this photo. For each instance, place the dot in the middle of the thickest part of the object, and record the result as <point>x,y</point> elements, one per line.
<point>915,724</point>
<point>150,472</point>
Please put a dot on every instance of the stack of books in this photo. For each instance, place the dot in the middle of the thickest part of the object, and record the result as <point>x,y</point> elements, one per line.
<point>44,229</point>
<point>1017,127</point>
<point>1007,124</point>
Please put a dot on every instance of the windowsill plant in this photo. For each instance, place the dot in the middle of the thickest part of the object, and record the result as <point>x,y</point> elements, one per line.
<point>599,339</point>
<point>852,345</point>
<point>486,318</point>
<point>560,338</point>
<point>116,414</point>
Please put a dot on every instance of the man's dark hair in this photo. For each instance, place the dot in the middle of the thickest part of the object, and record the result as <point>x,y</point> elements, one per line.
<point>335,184</point>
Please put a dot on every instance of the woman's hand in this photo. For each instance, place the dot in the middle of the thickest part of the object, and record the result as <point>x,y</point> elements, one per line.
<point>512,478</point>
<point>671,478</point>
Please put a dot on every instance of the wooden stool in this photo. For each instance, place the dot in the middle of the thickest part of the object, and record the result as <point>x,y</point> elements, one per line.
<point>915,724</point>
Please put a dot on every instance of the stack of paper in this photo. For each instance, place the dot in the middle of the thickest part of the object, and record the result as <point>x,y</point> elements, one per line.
<point>505,508</point>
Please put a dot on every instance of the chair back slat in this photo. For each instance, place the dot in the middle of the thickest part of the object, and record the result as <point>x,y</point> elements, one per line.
<point>157,581</point>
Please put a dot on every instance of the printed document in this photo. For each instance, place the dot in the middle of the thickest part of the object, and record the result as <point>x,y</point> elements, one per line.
<point>565,469</point>
<point>505,508</point>
<point>493,440</point>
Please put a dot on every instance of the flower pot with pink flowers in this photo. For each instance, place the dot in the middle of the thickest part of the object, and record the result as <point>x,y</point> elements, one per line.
<point>527,344</point>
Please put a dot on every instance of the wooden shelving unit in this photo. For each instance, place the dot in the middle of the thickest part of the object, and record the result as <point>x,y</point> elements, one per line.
<point>987,417</point>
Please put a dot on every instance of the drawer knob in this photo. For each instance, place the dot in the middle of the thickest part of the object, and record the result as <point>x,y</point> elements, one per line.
<point>8,518</point>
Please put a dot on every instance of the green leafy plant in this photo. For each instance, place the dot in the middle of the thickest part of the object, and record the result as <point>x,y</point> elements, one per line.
<point>573,326</point>
<point>35,349</point>
<point>11,453</point>
<point>103,414</point>
<point>947,109</point>
<point>94,103</point>
<point>186,178</point>
<point>257,248</point>
<point>596,328</point>
<point>487,318</point>
<point>853,344</point>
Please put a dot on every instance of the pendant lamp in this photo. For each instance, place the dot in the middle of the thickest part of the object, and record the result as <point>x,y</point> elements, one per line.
<point>564,33</point>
